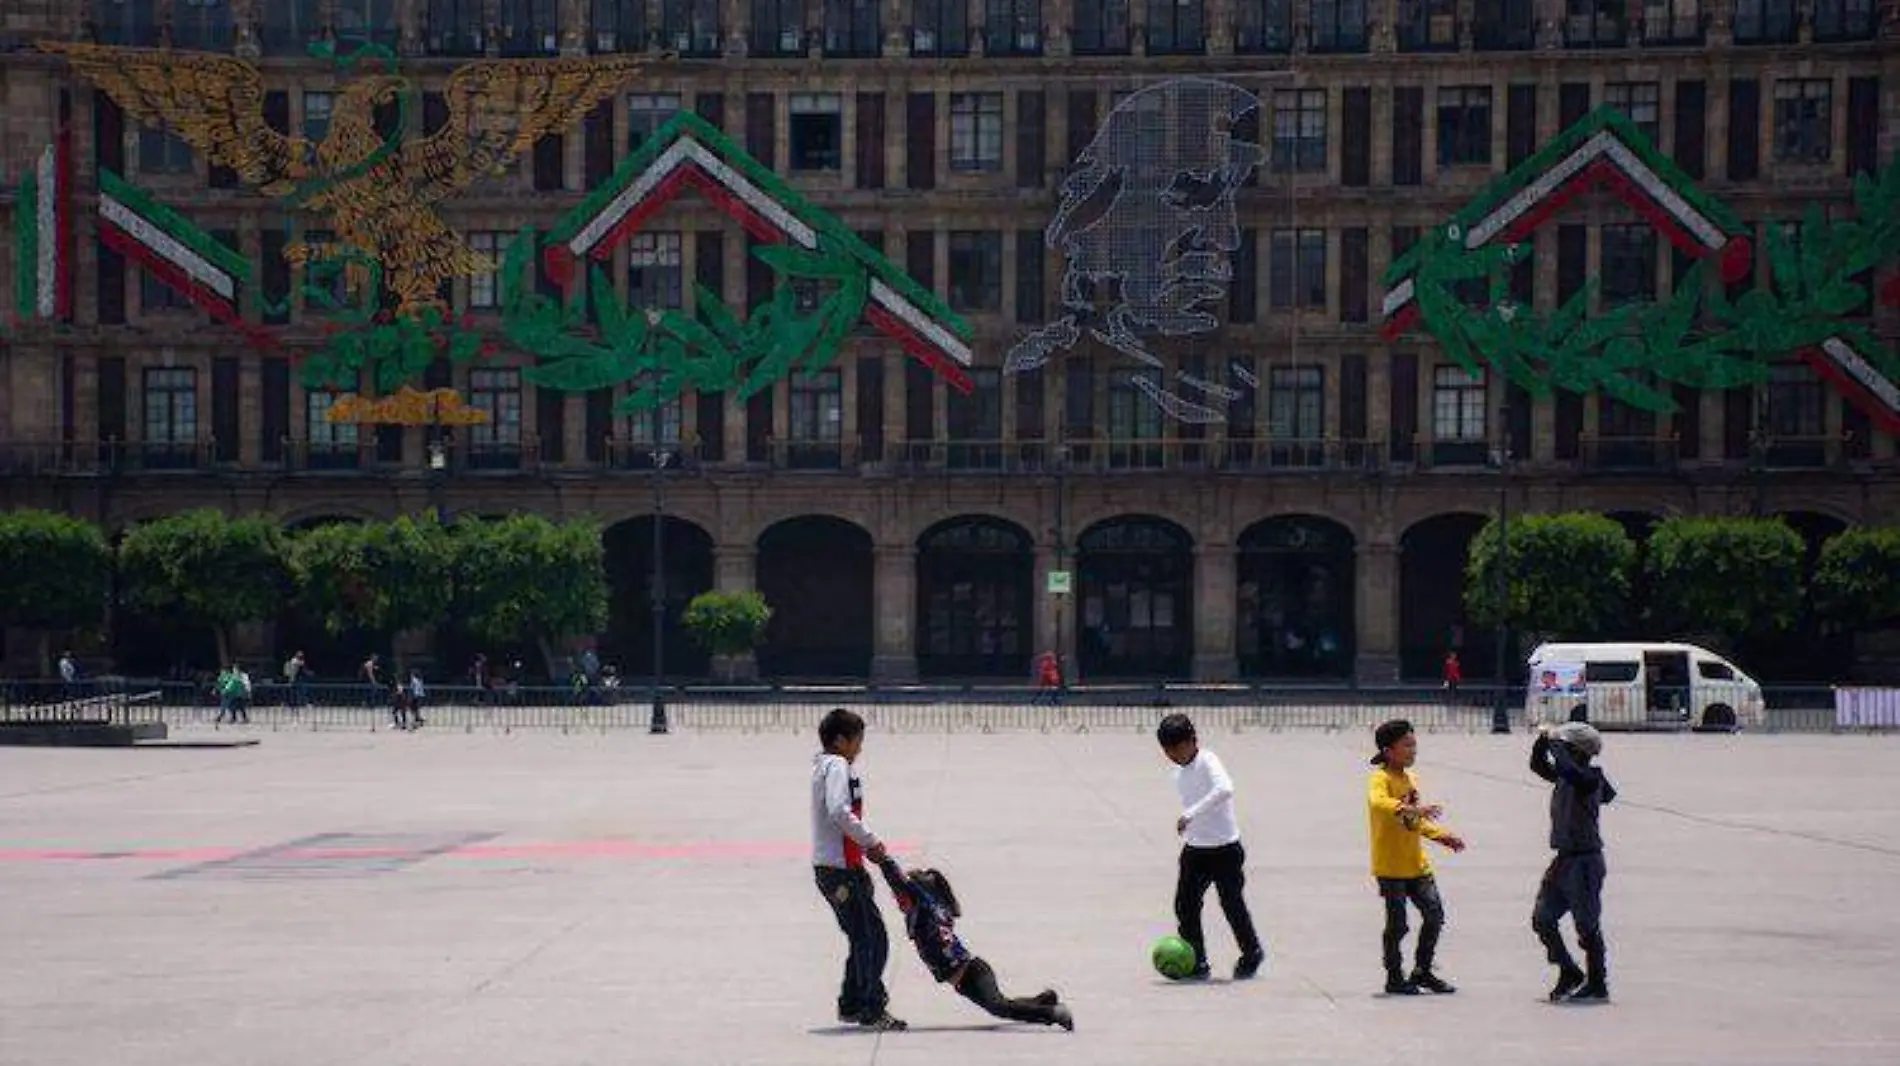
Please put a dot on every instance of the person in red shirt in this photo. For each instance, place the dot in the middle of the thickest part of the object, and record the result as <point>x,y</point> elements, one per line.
<point>1048,679</point>
<point>1454,673</point>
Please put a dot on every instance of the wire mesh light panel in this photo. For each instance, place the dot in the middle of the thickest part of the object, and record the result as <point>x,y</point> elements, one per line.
<point>1147,228</point>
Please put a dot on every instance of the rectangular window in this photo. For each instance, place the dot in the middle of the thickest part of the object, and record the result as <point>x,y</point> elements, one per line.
<point>495,443</point>
<point>550,424</point>
<point>1573,260</point>
<point>1845,20</point>
<point>1672,21</point>
<point>454,28</point>
<point>778,28</point>
<point>1428,26</point>
<point>289,27</point>
<point>692,28</point>
<point>1797,402</point>
<point>1299,130</point>
<point>1641,103</point>
<point>1520,124</point>
<point>1629,264</point>
<point>1504,25</point>
<point>171,406</point>
<point>940,28</point>
<point>1464,126</point>
<point>1408,135</point>
<point>1595,23</point>
<point>200,25</point>
<point>975,422</point>
<point>1176,28</point>
<point>1243,291</point>
<point>163,152</point>
<point>710,430</point>
<point>1353,413</point>
<point>157,295</point>
<point>273,408</point>
<point>1744,129</point>
<point>920,258</point>
<point>920,402</point>
<point>656,275</point>
<point>226,431</point>
<point>1100,27</point>
<point>597,421</point>
<point>327,444</point>
<point>870,141</point>
<point>976,132</point>
<point>1355,149</point>
<point>976,270</point>
<point>111,398</point>
<point>1078,405</point>
<point>1355,275</point>
<point>761,128</point>
<point>618,25</point>
<point>318,108</point>
<point>530,27</point>
<point>652,429</point>
<point>1458,407</point>
<point>920,141</point>
<point>1265,27</point>
<point>1296,405</point>
<point>1031,404</point>
<point>126,22</point>
<point>853,29</point>
<point>709,262</point>
<point>1863,125</point>
<point>1804,120</point>
<point>1032,133</point>
<point>712,108</point>
<point>871,408</point>
<point>1297,274</point>
<point>1082,121</point>
<point>1766,21</point>
<point>550,163</point>
<point>484,292</point>
<point>646,113</point>
<point>1031,281</point>
<point>1692,128</point>
<point>1573,103</point>
<point>1136,431</point>
<point>1338,25</point>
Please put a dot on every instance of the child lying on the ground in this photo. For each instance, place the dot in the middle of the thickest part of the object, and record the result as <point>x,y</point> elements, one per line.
<point>930,913</point>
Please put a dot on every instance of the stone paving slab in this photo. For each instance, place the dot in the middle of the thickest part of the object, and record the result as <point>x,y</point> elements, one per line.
<point>438,899</point>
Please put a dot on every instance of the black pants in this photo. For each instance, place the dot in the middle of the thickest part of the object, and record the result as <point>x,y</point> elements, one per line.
<point>848,892</point>
<point>1573,885</point>
<point>978,985</point>
<point>1421,892</point>
<point>1223,868</point>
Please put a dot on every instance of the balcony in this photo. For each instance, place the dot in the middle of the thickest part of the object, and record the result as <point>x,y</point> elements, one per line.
<point>637,455</point>
<point>1629,455</point>
<point>1605,30</point>
<point>42,459</point>
<point>1020,41</point>
<point>1770,452</point>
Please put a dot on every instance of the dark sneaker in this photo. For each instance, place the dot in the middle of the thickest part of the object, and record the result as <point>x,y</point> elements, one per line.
<point>1065,1018</point>
<point>1569,980</point>
<point>884,1022</point>
<point>1593,992</point>
<point>1249,965</point>
<point>1046,998</point>
<point>1399,986</point>
<point>1199,973</point>
<point>1431,982</point>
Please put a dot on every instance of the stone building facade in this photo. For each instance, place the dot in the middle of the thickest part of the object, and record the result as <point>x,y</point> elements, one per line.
<point>903,530</point>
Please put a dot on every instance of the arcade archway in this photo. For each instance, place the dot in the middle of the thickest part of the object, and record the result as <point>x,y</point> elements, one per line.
<point>1135,578</point>
<point>1295,598</point>
<point>815,572</point>
<point>975,598</point>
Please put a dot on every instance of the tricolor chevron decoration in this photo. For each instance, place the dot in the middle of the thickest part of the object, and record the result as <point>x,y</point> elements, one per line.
<point>43,239</point>
<point>167,245</point>
<point>689,151</point>
<point>1604,149</point>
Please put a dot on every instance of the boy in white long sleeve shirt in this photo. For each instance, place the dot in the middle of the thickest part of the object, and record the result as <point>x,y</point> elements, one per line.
<point>840,844</point>
<point>1211,854</point>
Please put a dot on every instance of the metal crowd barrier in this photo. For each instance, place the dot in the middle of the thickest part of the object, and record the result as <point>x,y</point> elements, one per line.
<point>796,708</point>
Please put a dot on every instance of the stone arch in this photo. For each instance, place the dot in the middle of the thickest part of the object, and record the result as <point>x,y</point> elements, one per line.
<point>1295,589</point>
<point>1135,597</point>
<point>816,571</point>
<point>976,600</point>
<point>1432,620</point>
<point>686,567</point>
<point>751,528</point>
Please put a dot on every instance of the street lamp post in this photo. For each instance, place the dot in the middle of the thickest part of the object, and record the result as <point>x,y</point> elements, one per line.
<point>1062,558</point>
<point>1500,713</point>
<point>661,456</point>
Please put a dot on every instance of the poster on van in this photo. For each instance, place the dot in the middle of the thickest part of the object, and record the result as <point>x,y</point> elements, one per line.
<point>1559,679</point>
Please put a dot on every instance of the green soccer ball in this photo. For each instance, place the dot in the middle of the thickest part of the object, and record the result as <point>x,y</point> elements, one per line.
<point>1173,957</point>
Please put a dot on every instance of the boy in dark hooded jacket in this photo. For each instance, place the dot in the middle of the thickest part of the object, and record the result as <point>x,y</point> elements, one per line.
<point>1573,883</point>
<point>930,913</point>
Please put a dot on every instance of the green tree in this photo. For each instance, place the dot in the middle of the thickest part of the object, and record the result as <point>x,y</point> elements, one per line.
<point>525,578</point>
<point>727,624</point>
<point>1857,580</point>
<point>379,578</point>
<point>55,574</point>
<point>206,567</point>
<point>1569,575</point>
<point>1736,578</point>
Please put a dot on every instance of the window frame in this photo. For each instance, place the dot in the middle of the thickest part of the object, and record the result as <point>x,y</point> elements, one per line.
<point>984,250</point>
<point>976,132</point>
<point>670,277</point>
<point>1469,143</point>
<point>179,418</point>
<point>1299,131</point>
<point>807,106</point>
<point>1296,403</point>
<point>1460,397</point>
<point>498,391</point>
<point>1813,143</point>
<point>1632,103</point>
<point>1296,272</point>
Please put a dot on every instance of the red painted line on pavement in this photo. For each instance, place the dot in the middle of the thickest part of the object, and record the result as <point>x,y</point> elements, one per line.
<point>572,849</point>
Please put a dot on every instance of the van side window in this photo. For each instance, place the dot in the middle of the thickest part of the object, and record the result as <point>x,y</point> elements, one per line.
<point>1715,671</point>
<point>1609,673</point>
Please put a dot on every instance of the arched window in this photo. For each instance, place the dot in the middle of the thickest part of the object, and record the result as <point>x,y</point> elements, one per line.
<point>1136,578</point>
<point>1295,599</point>
<point>975,599</point>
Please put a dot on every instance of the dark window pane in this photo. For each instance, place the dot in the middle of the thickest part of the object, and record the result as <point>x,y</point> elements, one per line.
<point>1355,161</point>
<point>920,143</point>
<point>1744,130</point>
<point>1031,140</point>
<point>1692,127</point>
<point>1408,135</point>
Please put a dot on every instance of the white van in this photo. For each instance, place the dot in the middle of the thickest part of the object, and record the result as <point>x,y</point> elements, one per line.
<point>1640,685</point>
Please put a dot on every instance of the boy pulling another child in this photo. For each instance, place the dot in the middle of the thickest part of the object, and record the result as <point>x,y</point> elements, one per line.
<point>1211,854</point>
<point>1574,881</point>
<point>1400,826</point>
<point>840,844</point>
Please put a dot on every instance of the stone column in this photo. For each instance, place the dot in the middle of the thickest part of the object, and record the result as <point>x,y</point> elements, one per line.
<point>734,567</point>
<point>1376,610</point>
<point>1214,658</point>
<point>1056,616</point>
<point>894,605</point>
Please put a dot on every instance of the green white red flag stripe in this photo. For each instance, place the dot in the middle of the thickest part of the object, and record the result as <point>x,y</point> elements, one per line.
<point>43,238</point>
<point>170,247</point>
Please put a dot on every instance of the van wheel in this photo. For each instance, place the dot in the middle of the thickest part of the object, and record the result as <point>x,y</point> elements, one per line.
<point>1719,717</point>
<point>1580,713</point>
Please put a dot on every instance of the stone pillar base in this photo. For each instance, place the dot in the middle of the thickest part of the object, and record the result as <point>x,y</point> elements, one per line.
<point>1376,669</point>
<point>1216,668</point>
<point>894,669</point>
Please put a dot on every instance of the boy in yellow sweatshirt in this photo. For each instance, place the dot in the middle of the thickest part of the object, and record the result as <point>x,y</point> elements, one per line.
<point>1400,826</point>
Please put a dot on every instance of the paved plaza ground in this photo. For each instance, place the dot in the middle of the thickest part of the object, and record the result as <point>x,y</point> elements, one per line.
<point>466,899</point>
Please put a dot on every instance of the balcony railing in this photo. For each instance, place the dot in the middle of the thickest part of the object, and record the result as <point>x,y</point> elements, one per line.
<point>1820,452</point>
<point>1615,454</point>
<point>1104,456</point>
<point>93,458</point>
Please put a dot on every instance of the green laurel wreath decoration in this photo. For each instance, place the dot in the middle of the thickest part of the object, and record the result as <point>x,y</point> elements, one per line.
<point>666,353</point>
<point>1696,338</point>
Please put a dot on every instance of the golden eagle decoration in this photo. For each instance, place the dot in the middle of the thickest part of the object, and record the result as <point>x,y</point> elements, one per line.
<point>378,187</point>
